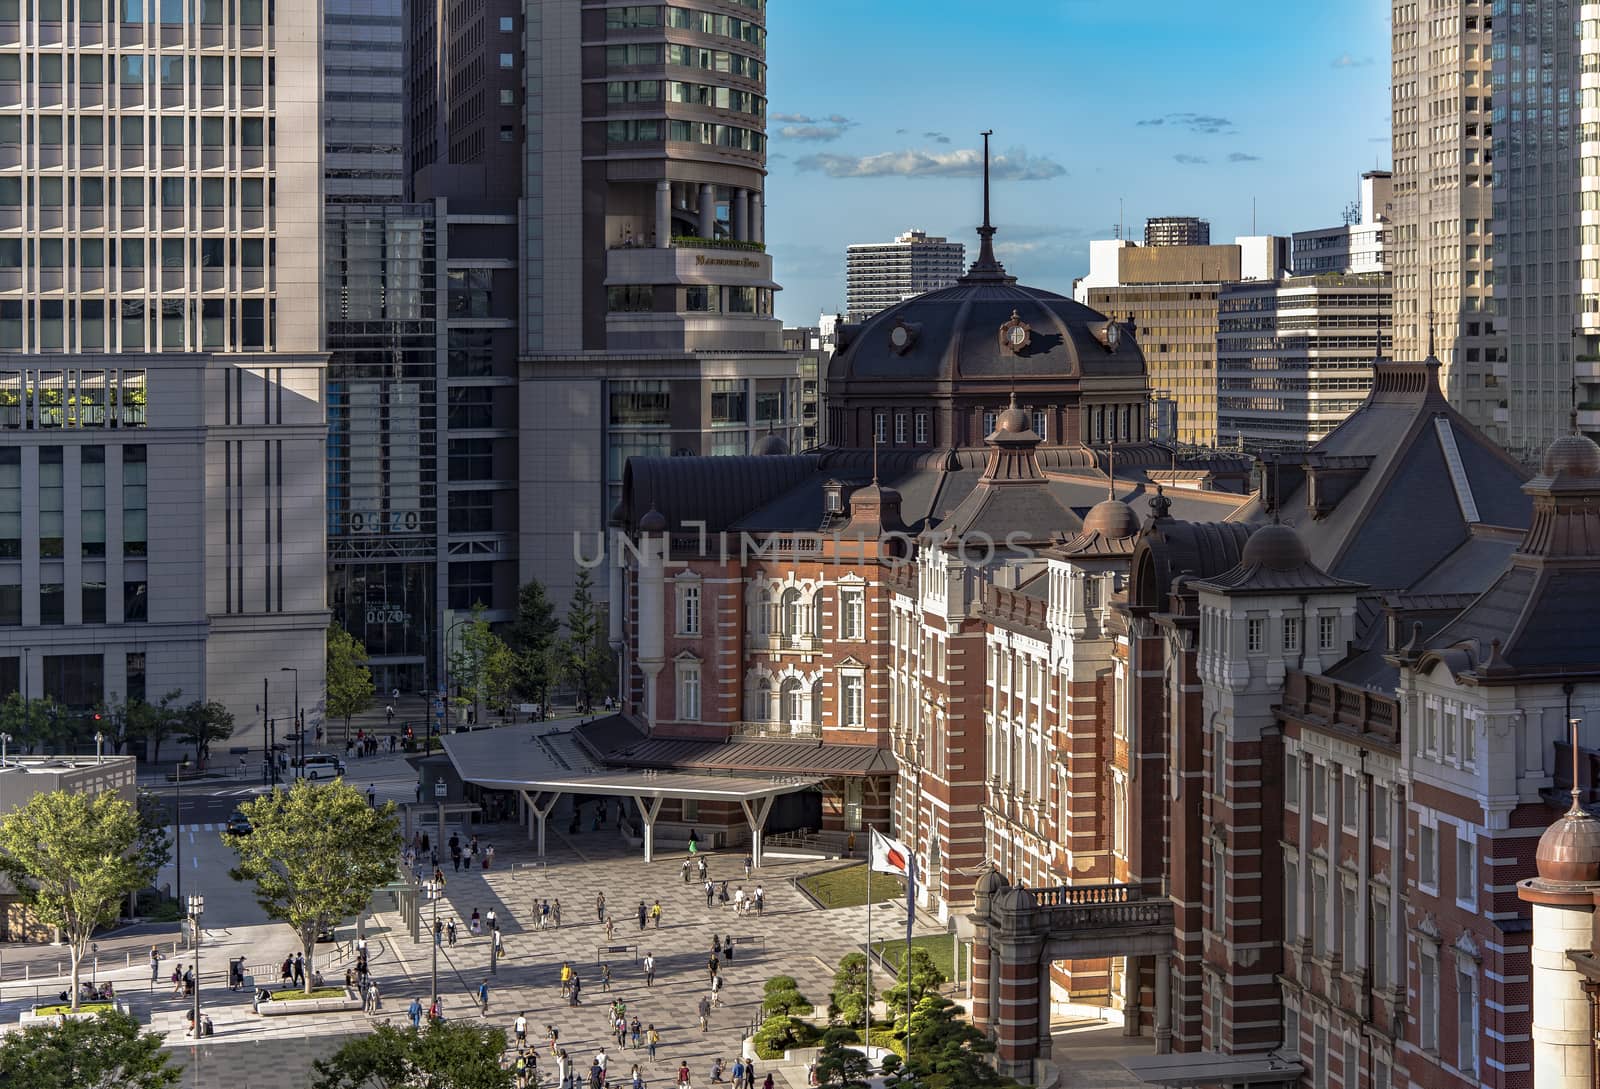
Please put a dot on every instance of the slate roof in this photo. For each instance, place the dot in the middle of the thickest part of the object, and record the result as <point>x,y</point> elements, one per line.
<point>752,755</point>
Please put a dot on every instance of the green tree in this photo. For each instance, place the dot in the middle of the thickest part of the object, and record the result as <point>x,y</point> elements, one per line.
<point>586,659</point>
<point>73,858</point>
<point>350,687</point>
<point>201,723</point>
<point>482,667</point>
<point>532,637</point>
<point>150,724</point>
<point>925,978</point>
<point>154,844</point>
<point>447,1055</point>
<point>840,1066</point>
<point>37,723</point>
<point>315,854</point>
<point>103,1052</point>
<point>945,1052</point>
<point>850,989</point>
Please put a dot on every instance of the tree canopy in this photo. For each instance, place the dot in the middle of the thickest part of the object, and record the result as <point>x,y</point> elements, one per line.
<point>585,657</point>
<point>482,667</point>
<point>350,687</point>
<point>840,1065</point>
<point>315,854</point>
<point>446,1055</point>
<point>945,1052</point>
<point>103,1052</point>
<point>925,978</point>
<point>73,858</point>
<point>202,722</point>
<point>533,637</point>
<point>850,989</point>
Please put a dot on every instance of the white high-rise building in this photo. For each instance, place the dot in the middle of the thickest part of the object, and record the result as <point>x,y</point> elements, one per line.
<point>880,274</point>
<point>161,375</point>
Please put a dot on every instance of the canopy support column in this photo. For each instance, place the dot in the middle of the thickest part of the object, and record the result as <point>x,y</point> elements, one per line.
<point>540,812</point>
<point>648,809</point>
<point>757,821</point>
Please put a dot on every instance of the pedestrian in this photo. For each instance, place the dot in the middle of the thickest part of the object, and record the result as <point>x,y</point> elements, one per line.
<point>377,1000</point>
<point>285,974</point>
<point>299,969</point>
<point>552,1034</point>
<point>372,796</point>
<point>683,1070</point>
<point>600,907</point>
<point>544,914</point>
<point>177,981</point>
<point>716,943</point>
<point>566,978</point>
<point>638,1078</point>
<point>488,856</point>
<point>438,932</point>
<point>619,1029</point>
<point>561,1068</point>
<point>611,930</point>
<point>519,1029</point>
<point>643,911</point>
<point>738,901</point>
<point>712,965</point>
<point>415,1013</point>
<point>704,870</point>
<point>633,1033</point>
<point>747,861</point>
<point>655,914</point>
<point>499,946</point>
<point>649,969</point>
<point>767,1083</point>
<point>711,894</point>
<point>483,995</point>
<point>155,967</point>
<point>455,857</point>
<point>605,978</point>
<point>577,988</point>
<point>450,932</point>
<point>761,899</point>
<point>722,894</point>
<point>476,922</point>
<point>716,991</point>
<point>704,1009</point>
<point>750,1074</point>
<point>738,1069</point>
<point>491,921</point>
<point>727,949</point>
<point>188,982</point>
<point>652,1040</point>
<point>555,913</point>
<point>686,871</point>
<point>716,1071</point>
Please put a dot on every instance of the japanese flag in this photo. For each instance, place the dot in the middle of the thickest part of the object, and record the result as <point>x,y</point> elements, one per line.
<point>890,856</point>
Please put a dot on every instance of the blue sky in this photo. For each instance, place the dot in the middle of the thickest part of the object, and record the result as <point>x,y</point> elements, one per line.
<point>1177,107</point>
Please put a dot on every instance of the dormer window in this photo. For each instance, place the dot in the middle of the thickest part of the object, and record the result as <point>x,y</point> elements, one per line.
<point>833,497</point>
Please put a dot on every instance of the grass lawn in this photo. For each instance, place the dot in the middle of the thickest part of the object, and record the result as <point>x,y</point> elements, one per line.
<point>847,887</point>
<point>937,946</point>
<point>293,995</point>
<point>87,1007</point>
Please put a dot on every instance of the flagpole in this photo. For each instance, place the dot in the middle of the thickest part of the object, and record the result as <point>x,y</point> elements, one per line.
<point>867,1041</point>
<point>911,899</point>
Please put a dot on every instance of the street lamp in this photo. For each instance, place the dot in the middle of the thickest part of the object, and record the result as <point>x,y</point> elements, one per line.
<point>299,726</point>
<point>177,823</point>
<point>197,905</point>
<point>435,888</point>
<point>99,747</point>
<point>5,739</point>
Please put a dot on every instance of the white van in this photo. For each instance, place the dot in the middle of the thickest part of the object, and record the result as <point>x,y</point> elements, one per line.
<point>322,767</point>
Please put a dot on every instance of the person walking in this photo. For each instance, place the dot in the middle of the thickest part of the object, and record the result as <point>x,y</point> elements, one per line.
<point>643,912</point>
<point>415,1013</point>
<point>611,930</point>
<point>476,921</point>
<point>750,1074</point>
<point>483,995</point>
<point>491,921</point>
<point>638,1078</point>
<point>566,978</point>
<point>722,893</point>
<point>285,973</point>
<point>552,1034</point>
<point>716,1071</point>
<point>761,899</point>
<point>599,907</point>
<point>450,932</point>
<point>655,914</point>
<point>747,861</point>
<point>633,1033</point>
<point>738,1069</point>
<point>299,969</point>
<point>649,969</point>
<point>683,1074</point>
<point>577,990</point>
<point>704,1009</point>
<point>711,894</point>
<point>555,913</point>
<point>713,964</point>
<point>716,991</point>
<point>686,871</point>
<point>519,1029</point>
<point>438,932</point>
<point>499,946</point>
<point>652,1041</point>
<point>377,999</point>
<point>605,978</point>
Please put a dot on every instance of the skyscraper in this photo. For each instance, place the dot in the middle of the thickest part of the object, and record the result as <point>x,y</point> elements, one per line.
<point>1443,242</point>
<point>161,324</point>
<point>1177,231</point>
<point>879,274</point>
<point>363,50</point>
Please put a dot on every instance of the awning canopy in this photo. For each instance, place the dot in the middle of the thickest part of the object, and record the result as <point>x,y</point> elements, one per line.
<point>1205,1068</point>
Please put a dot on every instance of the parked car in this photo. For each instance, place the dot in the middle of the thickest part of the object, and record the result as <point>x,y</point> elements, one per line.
<point>322,767</point>
<point>238,825</point>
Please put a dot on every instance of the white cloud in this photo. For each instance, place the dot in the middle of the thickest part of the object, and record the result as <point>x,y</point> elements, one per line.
<point>1013,165</point>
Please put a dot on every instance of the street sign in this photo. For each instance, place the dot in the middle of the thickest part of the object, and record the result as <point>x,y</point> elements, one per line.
<point>440,788</point>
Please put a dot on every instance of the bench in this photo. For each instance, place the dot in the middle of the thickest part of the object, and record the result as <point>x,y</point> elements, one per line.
<point>351,1001</point>
<point>751,939</point>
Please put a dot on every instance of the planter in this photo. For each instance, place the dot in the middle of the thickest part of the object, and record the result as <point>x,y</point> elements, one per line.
<point>32,1016</point>
<point>288,1007</point>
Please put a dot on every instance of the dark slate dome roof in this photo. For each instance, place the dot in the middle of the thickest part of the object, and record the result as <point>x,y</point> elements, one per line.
<point>1275,547</point>
<point>955,335</point>
<point>770,444</point>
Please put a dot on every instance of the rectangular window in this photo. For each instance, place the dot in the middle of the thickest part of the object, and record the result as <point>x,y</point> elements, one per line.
<point>1319,914</point>
<point>1466,1021</point>
<point>851,688</point>
<point>1430,727</point>
<point>1428,1000</point>
<point>135,536</point>
<point>51,502</point>
<point>701,299</point>
<point>1327,632</point>
<point>1466,869</point>
<point>1291,780</point>
<point>689,610</point>
<point>94,602</point>
<point>10,605</point>
<point>922,429</point>
<point>135,676</point>
<point>640,403</point>
<point>52,603</point>
<point>1319,790</point>
<point>1380,813</point>
<point>1319,1057</point>
<point>1256,635</point>
<point>880,426</point>
<point>471,459</point>
<point>900,428</point>
<point>631,299</point>
<point>92,499</point>
<point>1469,738</point>
<point>471,512</point>
<point>1291,900</point>
<point>470,407</point>
<point>1348,801</point>
<point>470,292</point>
<point>728,400</point>
<point>852,614</point>
<point>1428,856</point>
<point>689,692</point>
<point>10,489</point>
<point>1380,942</point>
<point>1347,926</point>
<point>134,602</point>
<point>1291,634</point>
<point>1452,730</point>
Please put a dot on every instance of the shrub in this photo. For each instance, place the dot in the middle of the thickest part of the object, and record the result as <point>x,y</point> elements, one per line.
<point>849,998</point>
<point>781,983</point>
<point>777,1035</point>
<point>785,1003</point>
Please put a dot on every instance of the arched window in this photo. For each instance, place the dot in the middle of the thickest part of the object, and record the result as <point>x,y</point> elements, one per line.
<point>792,700</point>
<point>761,613</point>
<point>759,701</point>
<point>794,618</point>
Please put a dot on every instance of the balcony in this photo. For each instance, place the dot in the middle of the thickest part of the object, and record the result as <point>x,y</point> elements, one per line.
<point>1325,704</point>
<point>802,644</point>
<point>794,730</point>
<point>689,241</point>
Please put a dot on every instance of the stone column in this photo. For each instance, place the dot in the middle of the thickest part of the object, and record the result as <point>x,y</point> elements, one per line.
<point>663,214</point>
<point>708,211</point>
<point>1397,858</point>
<point>1363,961</point>
<point>1163,1003</point>
<point>1017,1004</point>
<point>1130,996</point>
<point>739,214</point>
<point>1044,1008</point>
<point>1563,1050</point>
<point>982,981</point>
<point>1334,913</point>
<point>1303,898</point>
<point>758,223</point>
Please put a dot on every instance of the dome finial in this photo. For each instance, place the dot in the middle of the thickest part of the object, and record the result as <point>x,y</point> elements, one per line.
<point>1577,808</point>
<point>1111,474</point>
<point>987,267</point>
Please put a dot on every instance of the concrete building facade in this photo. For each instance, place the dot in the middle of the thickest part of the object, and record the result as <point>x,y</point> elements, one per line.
<point>1444,247</point>
<point>879,274</point>
<point>162,372</point>
<point>1177,231</point>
